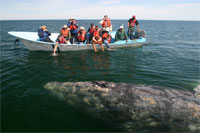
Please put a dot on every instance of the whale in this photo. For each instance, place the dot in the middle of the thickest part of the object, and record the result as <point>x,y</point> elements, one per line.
<point>133,107</point>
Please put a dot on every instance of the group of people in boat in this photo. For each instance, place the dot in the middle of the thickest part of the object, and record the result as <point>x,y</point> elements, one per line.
<point>95,35</point>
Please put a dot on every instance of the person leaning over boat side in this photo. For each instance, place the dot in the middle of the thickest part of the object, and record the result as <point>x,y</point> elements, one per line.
<point>106,39</point>
<point>65,32</point>
<point>90,31</point>
<point>82,36</point>
<point>131,26</point>
<point>121,34</point>
<point>72,24</point>
<point>60,40</point>
<point>97,40</point>
<point>44,34</point>
<point>106,25</point>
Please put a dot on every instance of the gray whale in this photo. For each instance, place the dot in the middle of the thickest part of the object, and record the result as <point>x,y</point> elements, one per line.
<point>133,107</point>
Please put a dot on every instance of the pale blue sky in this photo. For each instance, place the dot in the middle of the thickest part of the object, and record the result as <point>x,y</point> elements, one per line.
<point>96,9</point>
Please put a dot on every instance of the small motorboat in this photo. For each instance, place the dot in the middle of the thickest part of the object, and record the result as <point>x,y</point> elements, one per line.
<point>32,42</point>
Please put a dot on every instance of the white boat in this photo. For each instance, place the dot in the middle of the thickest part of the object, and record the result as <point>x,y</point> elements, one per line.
<point>31,41</point>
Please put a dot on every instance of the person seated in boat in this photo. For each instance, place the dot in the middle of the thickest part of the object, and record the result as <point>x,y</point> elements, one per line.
<point>60,40</point>
<point>106,39</point>
<point>82,36</point>
<point>131,26</point>
<point>97,40</point>
<point>97,31</point>
<point>90,31</point>
<point>44,34</point>
<point>121,34</point>
<point>65,32</point>
<point>72,24</point>
<point>106,25</point>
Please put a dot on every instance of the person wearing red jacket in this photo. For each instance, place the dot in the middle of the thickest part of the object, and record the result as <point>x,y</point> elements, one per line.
<point>131,26</point>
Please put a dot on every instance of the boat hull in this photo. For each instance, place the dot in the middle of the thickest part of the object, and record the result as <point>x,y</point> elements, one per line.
<point>33,44</point>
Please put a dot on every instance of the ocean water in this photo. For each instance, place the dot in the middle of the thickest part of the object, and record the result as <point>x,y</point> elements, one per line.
<point>170,58</point>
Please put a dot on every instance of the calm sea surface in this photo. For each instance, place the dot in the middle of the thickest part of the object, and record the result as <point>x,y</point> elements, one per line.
<point>171,58</point>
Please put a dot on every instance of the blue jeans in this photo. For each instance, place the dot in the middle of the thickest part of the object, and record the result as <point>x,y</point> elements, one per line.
<point>106,42</point>
<point>130,32</point>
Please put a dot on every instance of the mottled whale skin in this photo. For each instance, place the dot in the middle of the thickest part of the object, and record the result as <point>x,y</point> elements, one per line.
<point>133,107</point>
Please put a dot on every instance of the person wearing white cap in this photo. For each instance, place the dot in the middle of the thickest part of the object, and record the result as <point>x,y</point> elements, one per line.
<point>82,36</point>
<point>131,26</point>
<point>106,24</point>
<point>72,24</point>
<point>121,34</point>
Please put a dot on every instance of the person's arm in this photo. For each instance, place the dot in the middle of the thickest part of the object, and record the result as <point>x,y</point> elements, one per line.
<point>49,33</point>
<point>88,30</point>
<point>137,25</point>
<point>76,25</point>
<point>87,39</point>
<point>116,36</point>
<point>138,28</point>
<point>69,35</point>
<point>69,23</point>
<point>128,22</point>
<point>40,33</point>
<point>100,33</point>
<point>101,22</point>
<point>110,28</point>
<point>126,36</point>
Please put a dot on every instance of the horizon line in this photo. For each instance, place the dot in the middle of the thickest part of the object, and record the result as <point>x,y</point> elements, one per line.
<point>97,19</point>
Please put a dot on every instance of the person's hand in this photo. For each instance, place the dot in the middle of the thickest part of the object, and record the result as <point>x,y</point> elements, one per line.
<point>126,40</point>
<point>88,44</point>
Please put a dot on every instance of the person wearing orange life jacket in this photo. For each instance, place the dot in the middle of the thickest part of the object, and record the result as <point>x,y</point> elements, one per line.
<point>65,32</point>
<point>97,31</point>
<point>131,26</point>
<point>82,36</point>
<point>90,31</point>
<point>59,40</point>
<point>97,40</point>
<point>106,25</point>
<point>72,24</point>
<point>106,39</point>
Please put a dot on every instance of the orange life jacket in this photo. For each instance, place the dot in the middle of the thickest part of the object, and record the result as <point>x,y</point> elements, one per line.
<point>81,37</point>
<point>65,32</point>
<point>61,41</point>
<point>132,23</point>
<point>96,32</point>
<point>105,36</point>
<point>73,27</point>
<point>97,41</point>
<point>106,23</point>
<point>91,30</point>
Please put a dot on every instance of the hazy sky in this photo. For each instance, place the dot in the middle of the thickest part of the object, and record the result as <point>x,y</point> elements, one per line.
<point>96,9</point>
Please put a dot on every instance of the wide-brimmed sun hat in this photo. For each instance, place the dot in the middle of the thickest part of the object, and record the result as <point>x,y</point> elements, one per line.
<point>65,26</point>
<point>82,28</point>
<point>71,18</point>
